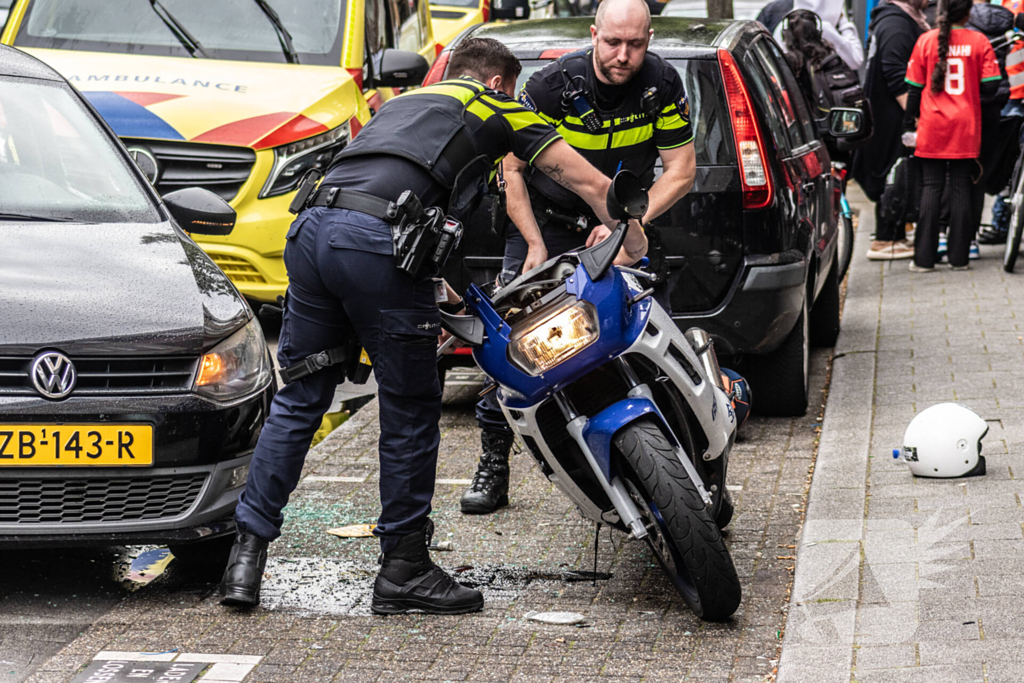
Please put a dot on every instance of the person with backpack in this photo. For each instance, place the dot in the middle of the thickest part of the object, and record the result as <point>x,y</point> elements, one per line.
<point>951,69</point>
<point>836,27</point>
<point>894,29</point>
<point>999,146</point>
<point>825,79</point>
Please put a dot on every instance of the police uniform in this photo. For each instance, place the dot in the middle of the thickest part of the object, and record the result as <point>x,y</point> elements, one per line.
<point>343,279</point>
<point>636,121</point>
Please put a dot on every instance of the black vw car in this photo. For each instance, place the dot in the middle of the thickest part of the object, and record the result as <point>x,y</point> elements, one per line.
<point>749,252</point>
<point>134,380</point>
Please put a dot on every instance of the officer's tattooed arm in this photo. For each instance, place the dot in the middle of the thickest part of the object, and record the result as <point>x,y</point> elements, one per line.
<point>565,166</point>
<point>557,173</point>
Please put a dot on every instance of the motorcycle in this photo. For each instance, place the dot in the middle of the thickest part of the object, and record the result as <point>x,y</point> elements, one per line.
<point>624,413</point>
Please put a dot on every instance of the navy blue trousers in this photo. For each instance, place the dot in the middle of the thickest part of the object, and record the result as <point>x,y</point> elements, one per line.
<point>335,290</point>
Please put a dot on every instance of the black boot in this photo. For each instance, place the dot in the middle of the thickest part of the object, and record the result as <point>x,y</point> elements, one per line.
<point>244,573</point>
<point>489,490</point>
<point>408,580</point>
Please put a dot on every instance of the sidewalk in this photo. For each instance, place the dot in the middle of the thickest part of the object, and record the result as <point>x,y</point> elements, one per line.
<point>903,579</point>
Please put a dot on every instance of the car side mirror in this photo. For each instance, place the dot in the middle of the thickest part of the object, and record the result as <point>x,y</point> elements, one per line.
<point>510,9</point>
<point>845,122</point>
<point>399,68</point>
<point>200,211</point>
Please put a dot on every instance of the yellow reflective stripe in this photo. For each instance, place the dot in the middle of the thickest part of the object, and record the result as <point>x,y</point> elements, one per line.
<point>501,104</point>
<point>543,147</point>
<point>523,119</point>
<point>549,120</point>
<point>668,109</point>
<point>584,140</point>
<point>634,136</point>
<point>480,110</point>
<point>671,122</point>
<point>461,91</point>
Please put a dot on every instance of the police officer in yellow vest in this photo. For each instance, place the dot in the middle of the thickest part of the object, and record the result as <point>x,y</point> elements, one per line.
<point>352,271</point>
<point>621,107</point>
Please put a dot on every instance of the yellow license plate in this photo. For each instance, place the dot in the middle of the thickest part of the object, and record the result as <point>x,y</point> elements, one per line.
<point>75,445</point>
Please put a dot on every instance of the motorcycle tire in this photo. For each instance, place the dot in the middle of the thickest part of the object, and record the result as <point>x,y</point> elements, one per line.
<point>1016,222</point>
<point>683,536</point>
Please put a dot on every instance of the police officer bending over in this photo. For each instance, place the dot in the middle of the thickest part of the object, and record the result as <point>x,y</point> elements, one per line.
<point>622,107</point>
<point>349,263</point>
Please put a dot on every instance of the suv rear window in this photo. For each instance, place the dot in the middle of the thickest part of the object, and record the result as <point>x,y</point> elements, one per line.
<point>702,79</point>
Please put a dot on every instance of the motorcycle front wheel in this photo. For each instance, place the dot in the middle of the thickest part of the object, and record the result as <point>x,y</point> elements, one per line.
<point>680,530</point>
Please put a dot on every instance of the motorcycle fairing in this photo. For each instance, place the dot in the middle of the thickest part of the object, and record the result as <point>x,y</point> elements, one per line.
<point>620,323</point>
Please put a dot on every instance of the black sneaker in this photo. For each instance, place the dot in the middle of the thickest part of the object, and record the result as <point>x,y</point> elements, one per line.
<point>489,490</point>
<point>409,580</point>
<point>991,235</point>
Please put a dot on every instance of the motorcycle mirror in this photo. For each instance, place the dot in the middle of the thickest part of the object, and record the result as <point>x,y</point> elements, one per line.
<point>627,197</point>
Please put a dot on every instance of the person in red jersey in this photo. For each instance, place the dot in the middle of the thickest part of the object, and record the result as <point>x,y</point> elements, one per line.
<point>949,69</point>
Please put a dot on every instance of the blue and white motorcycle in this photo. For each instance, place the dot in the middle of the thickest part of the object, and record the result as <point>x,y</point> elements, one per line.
<point>623,412</point>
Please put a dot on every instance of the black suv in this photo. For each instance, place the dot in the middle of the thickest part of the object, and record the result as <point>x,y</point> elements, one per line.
<point>750,251</point>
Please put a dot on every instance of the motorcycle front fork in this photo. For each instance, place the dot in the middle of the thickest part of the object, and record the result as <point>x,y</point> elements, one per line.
<point>615,489</point>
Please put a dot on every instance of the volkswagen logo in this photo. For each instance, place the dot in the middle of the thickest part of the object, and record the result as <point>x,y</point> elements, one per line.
<point>53,374</point>
<point>147,163</point>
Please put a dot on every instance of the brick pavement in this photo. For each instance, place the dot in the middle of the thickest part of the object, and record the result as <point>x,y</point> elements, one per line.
<point>315,623</point>
<point>903,579</point>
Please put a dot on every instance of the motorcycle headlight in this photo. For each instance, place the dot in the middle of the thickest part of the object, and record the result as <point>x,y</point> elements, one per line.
<point>291,161</point>
<point>235,367</point>
<point>540,344</point>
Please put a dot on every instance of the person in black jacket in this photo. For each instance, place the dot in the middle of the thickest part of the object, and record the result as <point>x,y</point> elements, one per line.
<point>994,21</point>
<point>894,29</point>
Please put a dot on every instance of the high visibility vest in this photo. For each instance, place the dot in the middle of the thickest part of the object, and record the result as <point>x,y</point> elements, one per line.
<point>1015,58</point>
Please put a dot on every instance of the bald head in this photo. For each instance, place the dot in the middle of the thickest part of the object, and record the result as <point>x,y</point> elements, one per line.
<point>632,12</point>
<point>620,35</point>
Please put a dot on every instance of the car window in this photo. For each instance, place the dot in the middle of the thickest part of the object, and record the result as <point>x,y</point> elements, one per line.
<point>768,97</point>
<point>226,29</point>
<point>376,26</point>
<point>796,94</point>
<point>786,126</point>
<point>713,143</point>
<point>409,31</point>
<point>57,162</point>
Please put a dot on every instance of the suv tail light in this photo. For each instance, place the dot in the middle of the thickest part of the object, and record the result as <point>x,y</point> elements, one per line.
<point>754,173</point>
<point>438,68</point>
<point>485,9</point>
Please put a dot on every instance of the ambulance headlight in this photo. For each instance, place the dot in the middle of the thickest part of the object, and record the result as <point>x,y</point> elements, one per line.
<point>553,335</point>
<point>293,160</point>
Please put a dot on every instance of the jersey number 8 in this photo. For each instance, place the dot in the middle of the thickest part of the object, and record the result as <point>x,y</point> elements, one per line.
<point>955,76</point>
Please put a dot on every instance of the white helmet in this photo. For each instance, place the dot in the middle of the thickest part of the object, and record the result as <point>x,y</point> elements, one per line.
<point>944,441</point>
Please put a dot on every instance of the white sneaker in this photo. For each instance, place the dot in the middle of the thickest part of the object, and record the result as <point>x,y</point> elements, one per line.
<point>914,268</point>
<point>889,251</point>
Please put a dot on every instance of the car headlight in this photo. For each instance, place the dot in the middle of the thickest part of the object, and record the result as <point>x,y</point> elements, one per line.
<point>291,161</point>
<point>236,366</point>
<point>554,336</point>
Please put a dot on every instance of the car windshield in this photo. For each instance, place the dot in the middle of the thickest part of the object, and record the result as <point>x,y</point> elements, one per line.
<point>57,163</point>
<point>225,29</point>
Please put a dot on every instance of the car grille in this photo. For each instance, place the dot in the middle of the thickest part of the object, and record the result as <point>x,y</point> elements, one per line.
<point>237,268</point>
<point>97,499</point>
<point>106,376</point>
<point>221,169</point>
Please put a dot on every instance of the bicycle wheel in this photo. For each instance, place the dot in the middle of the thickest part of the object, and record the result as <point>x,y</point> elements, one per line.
<point>1016,222</point>
<point>844,241</point>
